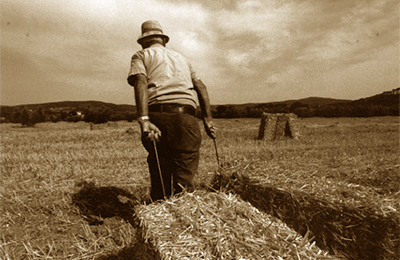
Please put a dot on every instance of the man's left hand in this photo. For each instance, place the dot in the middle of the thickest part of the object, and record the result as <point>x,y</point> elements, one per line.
<point>210,128</point>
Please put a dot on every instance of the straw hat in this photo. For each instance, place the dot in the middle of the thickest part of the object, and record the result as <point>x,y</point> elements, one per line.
<point>151,28</point>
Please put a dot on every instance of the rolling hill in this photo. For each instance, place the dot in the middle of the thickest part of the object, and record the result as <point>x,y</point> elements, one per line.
<point>386,100</point>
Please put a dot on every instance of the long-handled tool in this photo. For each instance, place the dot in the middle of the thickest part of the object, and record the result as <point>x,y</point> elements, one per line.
<point>159,169</point>
<point>216,152</point>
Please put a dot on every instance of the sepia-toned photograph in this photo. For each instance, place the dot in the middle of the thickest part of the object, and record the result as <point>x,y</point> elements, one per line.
<point>200,129</point>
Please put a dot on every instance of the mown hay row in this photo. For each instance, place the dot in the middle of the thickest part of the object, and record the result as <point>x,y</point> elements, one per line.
<point>215,225</point>
<point>355,232</point>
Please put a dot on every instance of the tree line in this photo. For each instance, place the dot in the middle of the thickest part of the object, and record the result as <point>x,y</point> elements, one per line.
<point>304,110</point>
<point>379,105</point>
<point>30,117</point>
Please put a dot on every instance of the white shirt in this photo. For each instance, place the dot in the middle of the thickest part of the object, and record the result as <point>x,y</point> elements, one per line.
<point>169,75</point>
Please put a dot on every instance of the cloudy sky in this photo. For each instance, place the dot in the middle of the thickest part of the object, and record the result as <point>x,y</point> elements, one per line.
<point>243,50</point>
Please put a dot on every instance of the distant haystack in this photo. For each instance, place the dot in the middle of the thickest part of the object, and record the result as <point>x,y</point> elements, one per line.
<point>278,125</point>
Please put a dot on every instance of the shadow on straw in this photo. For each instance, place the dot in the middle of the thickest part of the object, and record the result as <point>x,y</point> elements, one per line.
<point>97,203</point>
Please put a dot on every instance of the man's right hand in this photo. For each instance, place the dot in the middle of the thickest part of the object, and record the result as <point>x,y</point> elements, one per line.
<point>150,131</point>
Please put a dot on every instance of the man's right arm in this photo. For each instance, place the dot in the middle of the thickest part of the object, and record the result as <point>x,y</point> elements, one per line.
<point>139,82</point>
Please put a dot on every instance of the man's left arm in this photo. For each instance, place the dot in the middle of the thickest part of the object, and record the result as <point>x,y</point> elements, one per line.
<point>205,106</point>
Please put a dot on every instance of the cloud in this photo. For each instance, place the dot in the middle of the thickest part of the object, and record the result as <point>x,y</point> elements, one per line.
<point>73,48</point>
<point>301,39</point>
<point>244,50</point>
<point>271,50</point>
<point>358,33</point>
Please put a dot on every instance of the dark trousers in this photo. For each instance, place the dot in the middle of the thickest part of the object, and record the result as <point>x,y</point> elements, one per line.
<point>178,153</point>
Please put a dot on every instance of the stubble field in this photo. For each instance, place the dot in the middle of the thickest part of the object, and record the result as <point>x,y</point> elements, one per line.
<point>67,192</point>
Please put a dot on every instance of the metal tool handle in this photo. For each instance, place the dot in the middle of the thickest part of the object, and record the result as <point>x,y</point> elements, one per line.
<point>159,169</point>
<point>216,152</point>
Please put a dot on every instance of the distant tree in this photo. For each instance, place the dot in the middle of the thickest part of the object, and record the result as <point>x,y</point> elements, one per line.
<point>89,115</point>
<point>105,114</point>
<point>73,117</point>
<point>226,111</point>
<point>39,116</point>
<point>297,105</point>
<point>230,112</point>
<point>86,110</point>
<point>5,114</point>
<point>55,118</point>
<point>16,116</point>
<point>63,115</point>
<point>274,108</point>
<point>301,112</point>
<point>253,112</point>
<point>130,116</point>
<point>98,116</point>
<point>214,112</point>
<point>26,118</point>
<point>220,111</point>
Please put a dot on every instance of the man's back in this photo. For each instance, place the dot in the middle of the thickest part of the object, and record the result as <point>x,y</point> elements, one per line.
<point>168,73</point>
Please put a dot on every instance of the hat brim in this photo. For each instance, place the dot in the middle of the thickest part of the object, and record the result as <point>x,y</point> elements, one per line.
<point>152,33</point>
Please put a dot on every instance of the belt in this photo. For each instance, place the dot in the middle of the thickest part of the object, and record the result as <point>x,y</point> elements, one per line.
<point>173,108</point>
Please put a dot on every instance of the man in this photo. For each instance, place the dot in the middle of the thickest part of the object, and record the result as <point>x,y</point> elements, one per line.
<point>166,87</point>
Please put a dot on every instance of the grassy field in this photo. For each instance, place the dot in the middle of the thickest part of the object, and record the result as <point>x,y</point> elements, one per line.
<point>67,191</point>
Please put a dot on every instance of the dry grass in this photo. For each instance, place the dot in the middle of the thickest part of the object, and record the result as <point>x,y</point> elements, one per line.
<point>344,188</point>
<point>67,192</point>
<point>357,232</point>
<point>42,170</point>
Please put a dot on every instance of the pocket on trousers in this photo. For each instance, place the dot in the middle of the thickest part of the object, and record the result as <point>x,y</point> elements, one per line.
<point>186,135</point>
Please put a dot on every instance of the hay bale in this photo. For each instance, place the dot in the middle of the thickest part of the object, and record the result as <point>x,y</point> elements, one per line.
<point>268,125</point>
<point>205,225</point>
<point>271,125</point>
<point>261,130</point>
<point>357,232</point>
<point>281,127</point>
<point>278,125</point>
<point>294,126</point>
